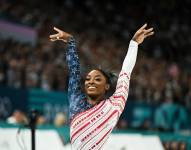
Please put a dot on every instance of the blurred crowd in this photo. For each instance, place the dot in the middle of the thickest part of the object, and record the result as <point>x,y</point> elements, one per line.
<point>162,75</point>
<point>103,30</point>
<point>19,117</point>
<point>174,145</point>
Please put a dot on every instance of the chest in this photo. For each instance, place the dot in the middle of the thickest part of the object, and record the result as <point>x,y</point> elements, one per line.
<point>102,116</point>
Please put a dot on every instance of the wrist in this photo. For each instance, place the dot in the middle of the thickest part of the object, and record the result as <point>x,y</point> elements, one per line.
<point>134,42</point>
<point>69,38</point>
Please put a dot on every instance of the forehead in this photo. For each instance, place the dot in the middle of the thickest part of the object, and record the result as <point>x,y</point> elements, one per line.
<point>95,73</point>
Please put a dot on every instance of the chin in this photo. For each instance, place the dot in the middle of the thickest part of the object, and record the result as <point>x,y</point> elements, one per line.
<point>92,94</point>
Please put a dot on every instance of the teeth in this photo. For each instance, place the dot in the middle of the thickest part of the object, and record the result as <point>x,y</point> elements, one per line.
<point>91,87</point>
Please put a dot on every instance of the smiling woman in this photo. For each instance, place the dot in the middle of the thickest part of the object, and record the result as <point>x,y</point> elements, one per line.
<point>92,117</point>
<point>96,86</point>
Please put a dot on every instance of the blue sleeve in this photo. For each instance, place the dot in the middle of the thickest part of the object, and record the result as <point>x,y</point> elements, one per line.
<point>77,98</point>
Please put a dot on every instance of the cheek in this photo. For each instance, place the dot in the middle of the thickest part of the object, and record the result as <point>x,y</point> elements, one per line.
<point>101,87</point>
<point>85,83</point>
<point>85,86</point>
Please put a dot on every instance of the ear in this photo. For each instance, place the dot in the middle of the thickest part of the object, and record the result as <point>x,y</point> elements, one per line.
<point>107,86</point>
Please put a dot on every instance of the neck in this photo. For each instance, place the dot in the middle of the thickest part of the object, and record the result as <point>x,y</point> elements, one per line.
<point>93,100</point>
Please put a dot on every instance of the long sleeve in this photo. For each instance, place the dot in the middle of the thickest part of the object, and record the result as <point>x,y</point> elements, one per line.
<point>130,59</point>
<point>119,98</point>
<point>77,98</point>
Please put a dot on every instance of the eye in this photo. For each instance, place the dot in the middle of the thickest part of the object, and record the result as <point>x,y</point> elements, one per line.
<point>87,79</point>
<point>98,79</point>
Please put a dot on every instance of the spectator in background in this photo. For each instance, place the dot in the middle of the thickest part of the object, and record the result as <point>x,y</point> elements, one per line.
<point>60,119</point>
<point>182,145</point>
<point>170,116</point>
<point>41,120</point>
<point>174,145</point>
<point>166,145</point>
<point>122,124</point>
<point>18,117</point>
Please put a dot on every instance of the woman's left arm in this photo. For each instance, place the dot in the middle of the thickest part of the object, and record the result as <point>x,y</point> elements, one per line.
<point>138,38</point>
<point>119,98</point>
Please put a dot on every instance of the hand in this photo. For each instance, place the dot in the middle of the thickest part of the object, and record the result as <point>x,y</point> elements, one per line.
<point>142,33</point>
<point>61,35</point>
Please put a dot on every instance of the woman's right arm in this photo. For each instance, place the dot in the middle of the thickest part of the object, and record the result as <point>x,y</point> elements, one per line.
<point>75,95</point>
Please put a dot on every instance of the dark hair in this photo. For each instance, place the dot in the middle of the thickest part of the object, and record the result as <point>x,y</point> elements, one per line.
<point>110,76</point>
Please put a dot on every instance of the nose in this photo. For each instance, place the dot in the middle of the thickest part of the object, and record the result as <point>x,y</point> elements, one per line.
<point>91,81</point>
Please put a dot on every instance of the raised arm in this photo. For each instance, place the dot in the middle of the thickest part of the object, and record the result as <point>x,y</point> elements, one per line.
<point>75,95</point>
<point>119,98</point>
<point>138,38</point>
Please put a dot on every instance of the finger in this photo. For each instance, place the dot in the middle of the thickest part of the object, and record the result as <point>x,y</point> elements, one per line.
<point>143,27</point>
<point>148,30</point>
<point>57,39</point>
<point>149,34</point>
<point>53,35</point>
<point>58,30</point>
<point>65,41</point>
<point>53,40</point>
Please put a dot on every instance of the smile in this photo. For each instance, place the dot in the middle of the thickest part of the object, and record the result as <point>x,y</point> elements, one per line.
<point>91,87</point>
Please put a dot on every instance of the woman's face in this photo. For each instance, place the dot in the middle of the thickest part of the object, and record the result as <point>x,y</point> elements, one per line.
<point>96,84</point>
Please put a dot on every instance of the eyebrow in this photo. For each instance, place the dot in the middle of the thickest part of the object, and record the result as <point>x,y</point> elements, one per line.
<point>95,76</point>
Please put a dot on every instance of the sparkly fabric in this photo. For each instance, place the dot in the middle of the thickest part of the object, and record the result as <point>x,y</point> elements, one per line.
<point>77,98</point>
